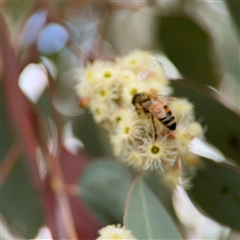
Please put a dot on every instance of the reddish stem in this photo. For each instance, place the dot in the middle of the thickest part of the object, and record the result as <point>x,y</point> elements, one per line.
<point>21,115</point>
<point>9,161</point>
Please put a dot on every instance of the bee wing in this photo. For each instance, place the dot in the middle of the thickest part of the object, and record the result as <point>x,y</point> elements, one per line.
<point>155,106</point>
<point>148,104</point>
<point>165,98</point>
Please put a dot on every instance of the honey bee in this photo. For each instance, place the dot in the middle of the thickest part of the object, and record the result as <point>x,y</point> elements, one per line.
<point>155,106</point>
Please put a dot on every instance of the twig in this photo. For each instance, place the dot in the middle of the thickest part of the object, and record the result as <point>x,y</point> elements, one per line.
<point>20,112</point>
<point>59,188</point>
<point>129,195</point>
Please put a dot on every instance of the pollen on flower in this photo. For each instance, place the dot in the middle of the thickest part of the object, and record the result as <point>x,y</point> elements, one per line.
<point>127,76</point>
<point>159,74</point>
<point>134,159</point>
<point>117,116</point>
<point>89,74</point>
<point>155,153</point>
<point>84,90</point>
<point>136,60</point>
<point>195,129</point>
<point>172,175</point>
<point>182,108</point>
<point>115,232</point>
<point>105,93</point>
<point>108,74</point>
<point>138,137</point>
<point>182,139</point>
<point>118,145</point>
<point>155,87</point>
<point>128,129</point>
<point>100,112</point>
<point>189,159</point>
<point>130,90</point>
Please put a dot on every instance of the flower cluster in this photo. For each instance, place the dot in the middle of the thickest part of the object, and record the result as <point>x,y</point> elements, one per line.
<point>139,139</point>
<point>115,232</point>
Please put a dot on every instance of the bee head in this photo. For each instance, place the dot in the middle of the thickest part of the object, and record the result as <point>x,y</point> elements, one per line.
<point>135,97</point>
<point>139,97</point>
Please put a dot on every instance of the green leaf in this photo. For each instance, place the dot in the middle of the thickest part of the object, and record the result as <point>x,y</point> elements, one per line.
<point>43,104</point>
<point>223,125</point>
<point>187,45</point>
<point>6,138</point>
<point>216,192</point>
<point>85,129</point>
<point>5,233</point>
<point>20,202</point>
<point>18,11</point>
<point>146,217</point>
<point>163,193</point>
<point>234,8</point>
<point>104,188</point>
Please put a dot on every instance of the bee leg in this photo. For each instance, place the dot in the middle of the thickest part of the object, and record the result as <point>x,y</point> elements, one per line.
<point>154,128</point>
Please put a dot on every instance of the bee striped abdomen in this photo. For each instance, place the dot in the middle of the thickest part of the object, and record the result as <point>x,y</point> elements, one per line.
<point>169,121</point>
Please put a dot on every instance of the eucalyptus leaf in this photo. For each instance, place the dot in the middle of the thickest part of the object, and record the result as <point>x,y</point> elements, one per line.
<point>19,10</point>
<point>5,233</point>
<point>20,202</point>
<point>43,104</point>
<point>104,187</point>
<point>216,191</point>
<point>234,8</point>
<point>6,139</point>
<point>163,193</point>
<point>188,46</point>
<point>146,217</point>
<point>85,129</point>
<point>223,124</point>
